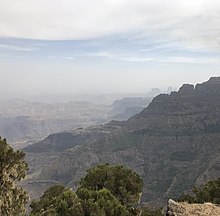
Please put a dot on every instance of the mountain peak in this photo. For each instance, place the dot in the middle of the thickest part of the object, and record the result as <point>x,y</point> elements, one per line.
<point>186,89</point>
<point>214,79</point>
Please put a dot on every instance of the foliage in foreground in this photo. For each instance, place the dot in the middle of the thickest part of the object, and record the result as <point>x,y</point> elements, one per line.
<point>105,191</point>
<point>210,192</point>
<point>57,200</point>
<point>101,202</point>
<point>144,211</point>
<point>122,182</point>
<point>12,169</point>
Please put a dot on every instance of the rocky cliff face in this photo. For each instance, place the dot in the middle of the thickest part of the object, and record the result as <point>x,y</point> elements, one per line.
<point>120,106</point>
<point>174,144</point>
<point>62,141</point>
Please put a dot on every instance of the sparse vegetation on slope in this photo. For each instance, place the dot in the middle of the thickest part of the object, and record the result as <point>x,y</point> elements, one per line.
<point>210,192</point>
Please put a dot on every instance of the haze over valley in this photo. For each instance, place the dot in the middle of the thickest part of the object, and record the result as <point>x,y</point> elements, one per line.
<point>25,122</point>
<point>109,107</point>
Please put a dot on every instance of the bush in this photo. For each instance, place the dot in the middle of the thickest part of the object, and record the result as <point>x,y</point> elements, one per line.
<point>210,192</point>
<point>122,182</point>
<point>12,169</point>
<point>57,200</point>
<point>105,191</point>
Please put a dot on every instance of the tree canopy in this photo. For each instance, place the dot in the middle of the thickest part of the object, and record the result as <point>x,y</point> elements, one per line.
<point>122,182</point>
<point>57,200</point>
<point>101,203</point>
<point>12,169</point>
<point>104,191</point>
<point>210,192</point>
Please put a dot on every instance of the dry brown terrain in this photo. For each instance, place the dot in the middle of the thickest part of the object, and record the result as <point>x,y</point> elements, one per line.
<point>185,209</point>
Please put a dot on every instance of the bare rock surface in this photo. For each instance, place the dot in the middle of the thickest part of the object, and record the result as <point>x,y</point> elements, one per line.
<point>185,209</point>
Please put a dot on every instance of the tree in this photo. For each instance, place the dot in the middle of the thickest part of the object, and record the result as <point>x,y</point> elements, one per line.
<point>57,201</point>
<point>105,191</point>
<point>144,211</point>
<point>210,192</point>
<point>12,169</point>
<point>101,203</point>
<point>61,201</point>
<point>122,182</point>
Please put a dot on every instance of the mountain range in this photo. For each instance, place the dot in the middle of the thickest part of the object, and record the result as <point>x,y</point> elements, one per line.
<point>174,144</point>
<point>24,122</point>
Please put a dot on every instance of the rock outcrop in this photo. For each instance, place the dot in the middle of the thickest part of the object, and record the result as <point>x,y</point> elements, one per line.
<point>185,209</point>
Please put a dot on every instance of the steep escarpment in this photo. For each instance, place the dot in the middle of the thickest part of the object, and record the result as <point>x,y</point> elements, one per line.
<point>44,152</point>
<point>59,142</point>
<point>173,144</point>
<point>123,109</point>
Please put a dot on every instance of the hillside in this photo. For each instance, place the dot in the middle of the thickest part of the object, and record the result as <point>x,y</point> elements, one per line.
<point>23,121</point>
<point>173,144</point>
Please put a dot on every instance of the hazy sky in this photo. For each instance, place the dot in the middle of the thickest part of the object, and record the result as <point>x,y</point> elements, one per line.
<point>100,46</point>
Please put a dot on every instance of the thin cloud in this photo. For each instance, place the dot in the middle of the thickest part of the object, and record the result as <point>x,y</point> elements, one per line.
<point>17,48</point>
<point>196,23</point>
<point>136,59</point>
<point>62,57</point>
<point>120,56</point>
<point>190,60</point>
